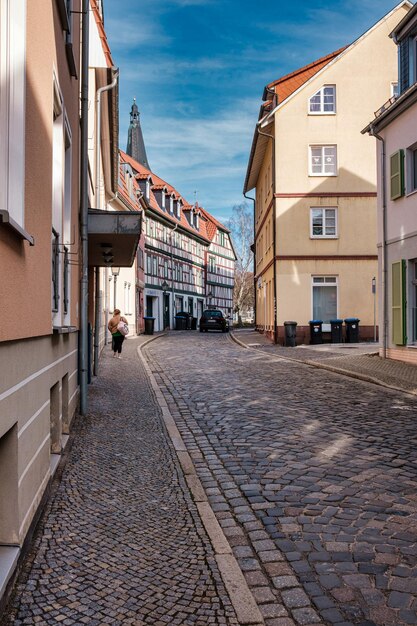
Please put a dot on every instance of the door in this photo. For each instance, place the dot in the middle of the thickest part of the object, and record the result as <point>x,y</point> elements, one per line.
<point>149,306</point>
<point>166,310</point>
<point>199,310</point>
<point>190,306</point>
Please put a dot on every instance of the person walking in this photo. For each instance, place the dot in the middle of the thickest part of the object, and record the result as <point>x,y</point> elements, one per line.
<point>116,335</point>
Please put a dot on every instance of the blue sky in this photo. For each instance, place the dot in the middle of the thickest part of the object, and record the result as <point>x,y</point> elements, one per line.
<point>198,68</point>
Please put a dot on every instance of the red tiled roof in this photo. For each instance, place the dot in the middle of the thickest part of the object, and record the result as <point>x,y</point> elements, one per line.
<point>286,85</point>
<point>102,33</point>
<point>123,189</point>
<point>159,182</point>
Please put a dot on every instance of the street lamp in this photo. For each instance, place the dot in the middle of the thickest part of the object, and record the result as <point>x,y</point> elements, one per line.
<point>115,271</point>
<point>165,286</point>
<point>209,296</point>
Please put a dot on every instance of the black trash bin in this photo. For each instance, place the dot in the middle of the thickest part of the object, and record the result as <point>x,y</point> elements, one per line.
<point>290,333</point>
<point>193,323</point>
<point>187,319</point>
<point>352,329</point>
<point>336,331</point>
<point>316,331</point>
<point>149,325</point>
<point>180,322</point>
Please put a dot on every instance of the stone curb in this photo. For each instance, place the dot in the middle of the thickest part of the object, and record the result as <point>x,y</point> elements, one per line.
<point>330,368</point>
<point>244,604</point>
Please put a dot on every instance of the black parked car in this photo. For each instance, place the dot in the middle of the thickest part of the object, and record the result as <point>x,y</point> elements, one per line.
<point>213,319</point>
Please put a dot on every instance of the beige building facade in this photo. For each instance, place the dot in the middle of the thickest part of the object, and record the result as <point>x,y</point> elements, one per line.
<point>315,180</point>
<point>38,243</point>
<point>395,127</point>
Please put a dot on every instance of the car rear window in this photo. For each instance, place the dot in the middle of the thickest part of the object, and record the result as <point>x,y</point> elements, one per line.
<point>213,314</point>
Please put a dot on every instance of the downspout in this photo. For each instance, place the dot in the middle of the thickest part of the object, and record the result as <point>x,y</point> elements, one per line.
<point>172,273</point>
<point>97,303</point>
<point>274,230</point>
<point>83,347</point>
<point>384,245</point>
<point>254,254</point>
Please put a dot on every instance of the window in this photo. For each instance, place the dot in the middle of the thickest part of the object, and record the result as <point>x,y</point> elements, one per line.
<point>154,266</point>
<point>323,222</point>
<point>323,160</point>
<point>171,204</point>
<point>197,221</point>
<point>324,298</point>
<point>212,264</point>
<point>163,199</point>
<point>324,101</point>
<point>165,269</point>
<point>66,281</point>
<point>148,189</point>
<point>397,174</point>
<point>412,169</point>
<point>12,111</point>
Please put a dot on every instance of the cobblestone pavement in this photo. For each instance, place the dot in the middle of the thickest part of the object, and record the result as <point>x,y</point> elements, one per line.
<point>121,541</point>
<point>347,357</point>
<point>312,475</point>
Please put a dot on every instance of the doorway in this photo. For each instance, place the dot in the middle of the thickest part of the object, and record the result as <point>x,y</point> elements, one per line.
<point>166,310</point>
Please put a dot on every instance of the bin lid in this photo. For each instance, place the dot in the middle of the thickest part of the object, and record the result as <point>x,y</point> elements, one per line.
<point>352,319</point>
<point>148,318</point>
<point>290,323</point>
<point>316,322</point>
<point>336,321</point>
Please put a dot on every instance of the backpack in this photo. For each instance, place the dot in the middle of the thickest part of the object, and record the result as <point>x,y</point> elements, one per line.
<point>123,328</point>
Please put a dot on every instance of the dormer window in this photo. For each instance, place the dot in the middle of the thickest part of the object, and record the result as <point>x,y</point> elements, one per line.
<point>323,102</point>
<point>179,208</point>
<point>192,217</point>
<point>148,189</point>
<point>163,199</point>
<point>197,220</point>
<point>171,204</point>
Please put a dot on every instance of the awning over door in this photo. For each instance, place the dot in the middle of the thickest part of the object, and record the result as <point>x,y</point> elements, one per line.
<point>113,237</point>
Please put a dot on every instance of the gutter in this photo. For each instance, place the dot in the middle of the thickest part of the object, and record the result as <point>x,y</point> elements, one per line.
<point>254,253</point>
<point>274,217</point>
<point>373,133</point>
<point>83,349</point>
<point>97,303</point>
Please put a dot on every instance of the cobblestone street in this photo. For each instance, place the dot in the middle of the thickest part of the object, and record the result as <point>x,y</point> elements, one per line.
<point>312,475</point>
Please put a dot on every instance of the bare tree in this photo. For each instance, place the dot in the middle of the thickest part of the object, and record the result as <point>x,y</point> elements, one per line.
<point>241,228</point>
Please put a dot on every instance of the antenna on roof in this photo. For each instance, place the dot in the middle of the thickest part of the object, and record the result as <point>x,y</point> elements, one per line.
<point>195,198</point>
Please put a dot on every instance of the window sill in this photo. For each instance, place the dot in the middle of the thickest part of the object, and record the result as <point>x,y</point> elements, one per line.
<point>322,175</point>
<point>64,330</point>
<point>411,193</point>
<point>412,346</point>
<point>19,231</point>
<point>321,113</point>
<point>324,236</point>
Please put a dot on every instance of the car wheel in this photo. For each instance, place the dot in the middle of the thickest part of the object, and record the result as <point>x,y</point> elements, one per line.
<point>201,330</point>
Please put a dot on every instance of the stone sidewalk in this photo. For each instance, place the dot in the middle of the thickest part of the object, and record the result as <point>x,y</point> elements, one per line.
<point>121,541</point>
<point>360,361</point>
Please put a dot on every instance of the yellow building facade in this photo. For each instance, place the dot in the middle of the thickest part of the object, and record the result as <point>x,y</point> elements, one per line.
<point>315,180</point>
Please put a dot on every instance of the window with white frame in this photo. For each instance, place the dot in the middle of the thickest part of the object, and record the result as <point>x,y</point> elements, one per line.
<point>323,222</point>
<point>323,160</point>
<point>148,189</point>
<point>323,102</point>
<point>12,108</point>
<point>395,90</point>
<point>324,298</point>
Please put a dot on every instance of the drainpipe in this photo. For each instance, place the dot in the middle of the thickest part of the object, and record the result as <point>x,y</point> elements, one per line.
<point>274,231</point>
<point>384,244</point>
<point>172,273</point>
<point>97,303</point>
<point>83,349</point>
<point>254,255</point>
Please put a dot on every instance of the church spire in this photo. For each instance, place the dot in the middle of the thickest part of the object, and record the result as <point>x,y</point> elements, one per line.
<point>135,144</point>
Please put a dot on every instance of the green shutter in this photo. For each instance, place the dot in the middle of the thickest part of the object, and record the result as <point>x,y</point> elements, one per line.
<point>397,174</point>
<point>399,320</point>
